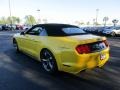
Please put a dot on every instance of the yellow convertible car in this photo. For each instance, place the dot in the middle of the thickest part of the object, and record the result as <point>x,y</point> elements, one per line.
<point>63,47</point>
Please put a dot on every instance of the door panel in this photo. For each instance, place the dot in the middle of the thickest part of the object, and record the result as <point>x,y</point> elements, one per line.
<point>32,41</point>
<point>33,44</point>
<point>22,42</point>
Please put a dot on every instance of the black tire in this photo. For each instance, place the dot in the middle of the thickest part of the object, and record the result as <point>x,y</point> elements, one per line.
<point>15,45</point>
<point>113,34</point>
<point>48,62</point>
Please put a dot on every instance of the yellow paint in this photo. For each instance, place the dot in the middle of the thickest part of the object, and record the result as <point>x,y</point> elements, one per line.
<point>63,49</point>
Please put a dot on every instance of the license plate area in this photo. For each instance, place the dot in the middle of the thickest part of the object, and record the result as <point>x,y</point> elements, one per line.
<point>97,46</point>
<point>102,56</point>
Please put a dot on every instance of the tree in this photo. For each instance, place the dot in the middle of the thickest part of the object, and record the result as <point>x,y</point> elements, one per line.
<point>79,23</point>
<point>13,20</point>
<point>88,23</point>
<point>115,21</point>
<point>105,19</point>
<point>29,19</point>
<point>9,20</point>
<point>18,20</point>
<point>3,20</point>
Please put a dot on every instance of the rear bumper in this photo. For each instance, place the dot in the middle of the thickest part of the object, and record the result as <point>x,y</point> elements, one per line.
<point>78,62</point>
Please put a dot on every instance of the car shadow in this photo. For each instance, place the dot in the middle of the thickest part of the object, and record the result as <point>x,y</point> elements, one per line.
<point>31,71</point>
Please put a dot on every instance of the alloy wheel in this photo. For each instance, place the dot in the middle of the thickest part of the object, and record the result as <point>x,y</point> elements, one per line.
<point>47,61</point>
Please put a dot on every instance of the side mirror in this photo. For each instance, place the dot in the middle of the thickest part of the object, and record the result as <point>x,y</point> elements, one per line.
<point>22,33</point>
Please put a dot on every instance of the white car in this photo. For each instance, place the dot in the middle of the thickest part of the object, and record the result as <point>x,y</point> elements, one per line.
<point>113,31</point>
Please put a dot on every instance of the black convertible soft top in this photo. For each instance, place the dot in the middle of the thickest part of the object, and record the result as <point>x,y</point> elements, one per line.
<point>55,29</point>
<point>55,25</point>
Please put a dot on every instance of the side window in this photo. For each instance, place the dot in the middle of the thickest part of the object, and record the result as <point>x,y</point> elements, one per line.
<point>43,33</point>
<point>35,31</point>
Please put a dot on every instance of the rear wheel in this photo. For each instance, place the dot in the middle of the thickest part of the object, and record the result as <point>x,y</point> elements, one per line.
<point>48,61</point>
<point>15,45</point>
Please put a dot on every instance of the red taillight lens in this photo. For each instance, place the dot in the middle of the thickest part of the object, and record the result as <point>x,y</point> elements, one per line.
<point>83,49</point>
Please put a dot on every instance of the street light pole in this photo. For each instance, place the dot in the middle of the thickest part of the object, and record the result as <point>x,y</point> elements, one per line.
<point>97,11</point>
<point>38,16</point>
<point>10,14</point>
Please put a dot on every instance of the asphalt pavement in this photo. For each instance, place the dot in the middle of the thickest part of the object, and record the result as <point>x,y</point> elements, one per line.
<point>20,72</point>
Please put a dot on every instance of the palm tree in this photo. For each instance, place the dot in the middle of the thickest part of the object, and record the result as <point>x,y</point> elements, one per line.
<point>105,19</point>
<point>115,21</point>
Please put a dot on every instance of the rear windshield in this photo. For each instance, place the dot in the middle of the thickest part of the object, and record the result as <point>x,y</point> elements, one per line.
<point>73,31</point>
<point>64,31</point>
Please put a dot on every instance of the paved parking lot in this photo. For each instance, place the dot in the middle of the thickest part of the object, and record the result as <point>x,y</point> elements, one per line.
<point>19,72</point>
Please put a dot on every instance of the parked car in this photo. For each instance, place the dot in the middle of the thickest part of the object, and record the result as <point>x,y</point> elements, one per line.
<point>12,27</point>
<point>93,30</point>
<point>63,47</point>
<point>19,27</point>
<point>26,27</point>
<point>5,27</point>
<point>99,30</point>
<point>112,31</point>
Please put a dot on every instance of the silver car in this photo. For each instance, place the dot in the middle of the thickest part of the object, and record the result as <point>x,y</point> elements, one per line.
<point>112,31</point>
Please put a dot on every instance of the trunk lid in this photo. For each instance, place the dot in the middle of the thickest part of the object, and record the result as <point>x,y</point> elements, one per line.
<point>83,39</point>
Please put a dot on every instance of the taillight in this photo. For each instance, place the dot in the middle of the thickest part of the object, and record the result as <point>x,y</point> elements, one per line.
<point>81,49</point>
<point>92,47</point>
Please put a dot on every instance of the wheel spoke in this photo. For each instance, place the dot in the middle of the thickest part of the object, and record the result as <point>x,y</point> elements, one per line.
<point>50,65</point>
<point>46,68</point>
<point>47,61</point>
<point>50,58</point>
<point>44,60</point>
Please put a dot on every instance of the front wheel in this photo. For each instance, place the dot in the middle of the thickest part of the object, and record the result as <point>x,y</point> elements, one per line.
<point>48,61</point>
<point>113,34</point>
<point>15,45</point>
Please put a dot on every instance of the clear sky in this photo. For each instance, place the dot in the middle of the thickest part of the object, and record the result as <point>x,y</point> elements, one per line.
<point>62,10</point>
